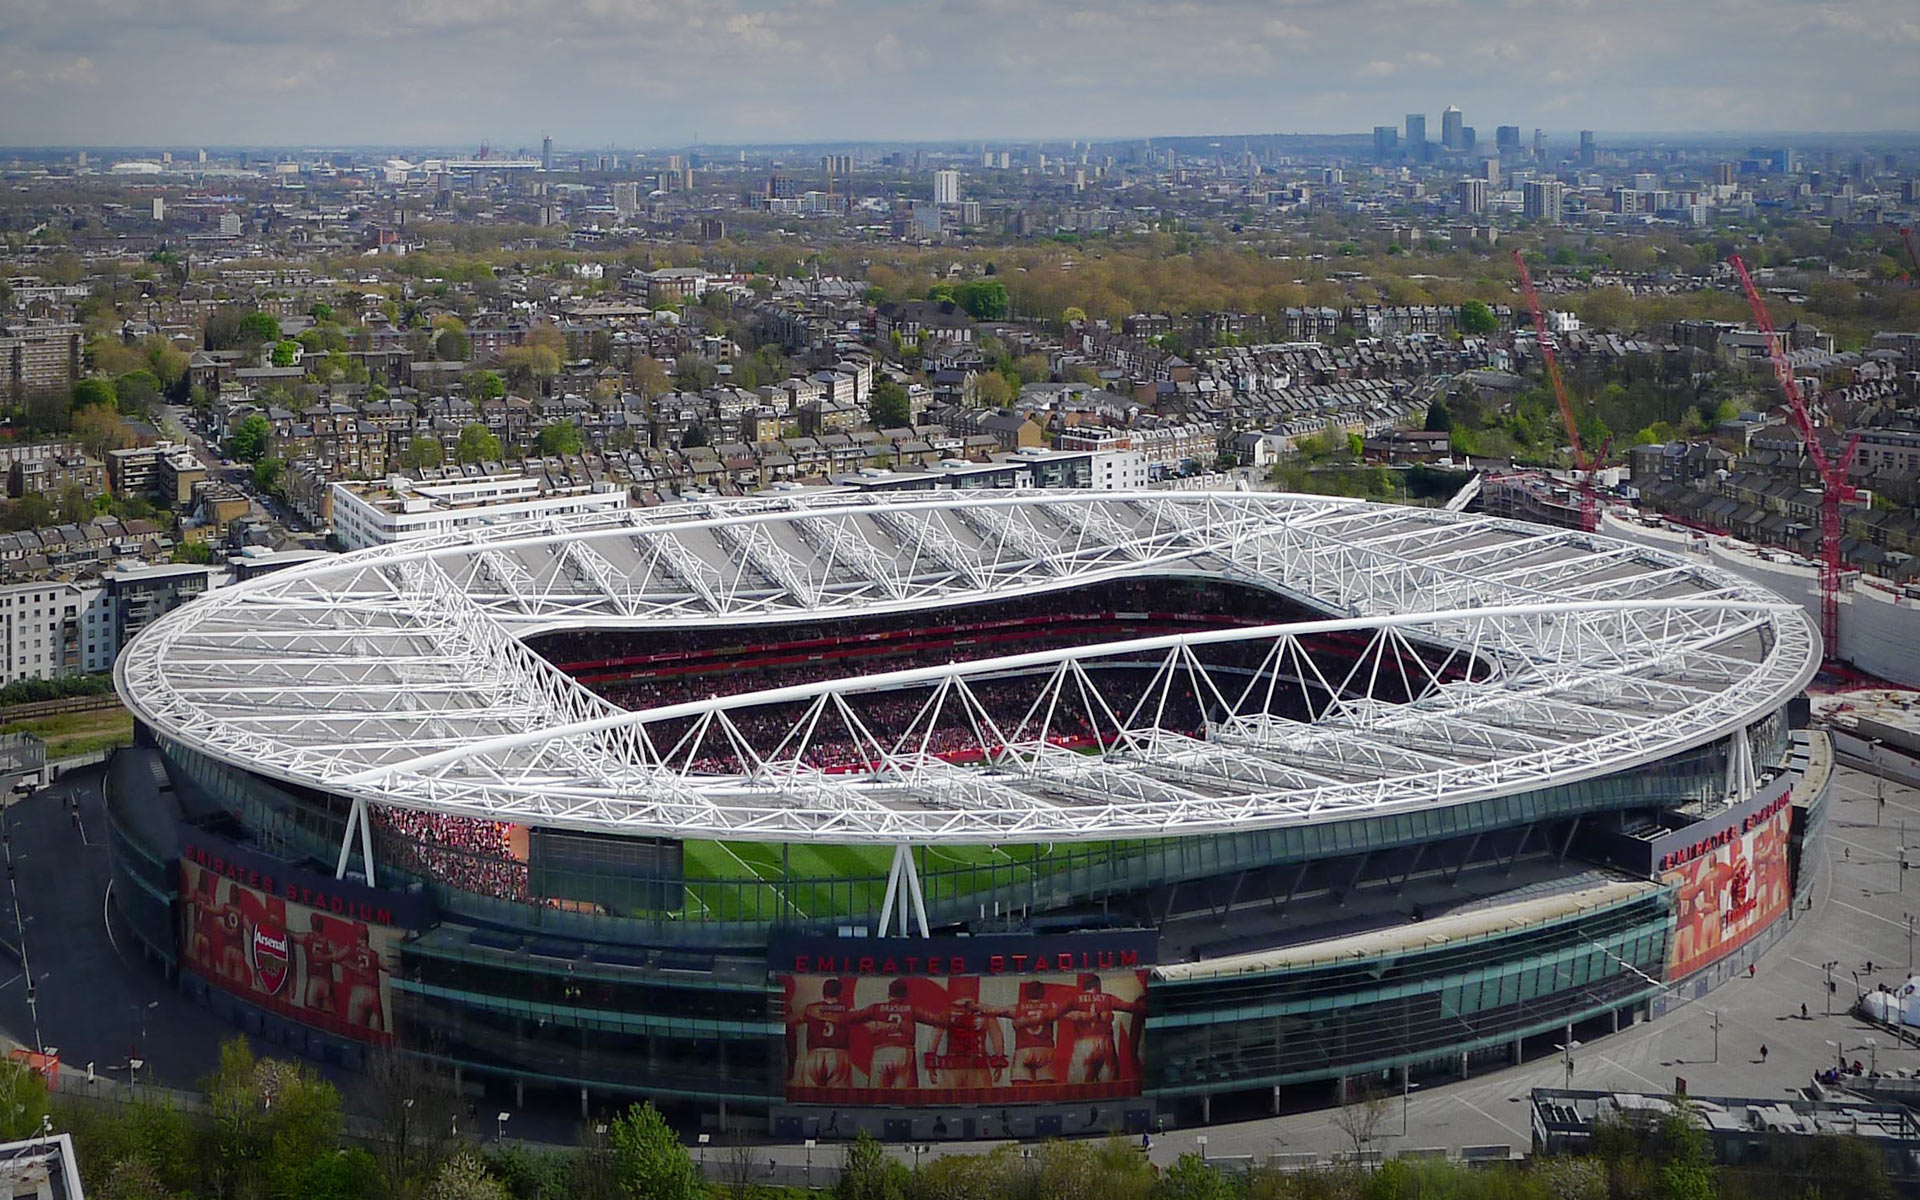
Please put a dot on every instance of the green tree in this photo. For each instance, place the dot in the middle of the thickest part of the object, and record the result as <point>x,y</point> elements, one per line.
<point>136,391</point>
<point>452,345</point>
<point>465,1177</point>
<point>486,385</point>
<point>888,405</point>
<point>560,437</point>
<point>249,439</point>
<point>984,299</point>
<point>258,328</point>
<point>478,444</point>
<point>1477,319</point>
<point>648,1160</point>
<point>23,1101</point>
<point>269,475</point>
<point>1192,1178</point>
<point>991,390</point>
<point>285,352</point>
<point>1439,419</point>
<point>272,1122</point>
<point>694,438</point>
<point>866,1173</point>
<point>422,453</point>
<point>321,312</point>
<point>91,392</point>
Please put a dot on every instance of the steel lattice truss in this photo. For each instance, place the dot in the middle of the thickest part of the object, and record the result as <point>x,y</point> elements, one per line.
<point>1520,657</point>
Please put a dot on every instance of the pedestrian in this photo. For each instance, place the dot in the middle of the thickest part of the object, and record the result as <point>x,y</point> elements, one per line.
<point>1750,970</point>
<point>1803,1010</point>
<point>1763,1052</point>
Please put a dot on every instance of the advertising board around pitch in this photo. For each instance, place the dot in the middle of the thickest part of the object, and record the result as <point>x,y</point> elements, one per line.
<point>904,1021</point>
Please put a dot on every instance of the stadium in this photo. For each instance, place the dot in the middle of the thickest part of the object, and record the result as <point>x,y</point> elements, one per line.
<point>966,814</point>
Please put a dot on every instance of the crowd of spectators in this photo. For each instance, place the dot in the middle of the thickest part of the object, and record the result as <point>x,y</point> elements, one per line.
<point>467,853</point>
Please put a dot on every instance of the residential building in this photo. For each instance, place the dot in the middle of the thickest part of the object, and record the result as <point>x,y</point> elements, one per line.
<point>137,596</point>
<point>39,358</point>
<point>946,187</point>
<point>1543,200</point>
<point>403,508</point>
<point>53,629</point>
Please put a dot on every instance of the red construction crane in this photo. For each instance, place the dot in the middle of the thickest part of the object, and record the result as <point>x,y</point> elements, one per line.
<point>1913,255</point>
<point>1833,472</point>
<point>1583,464</point>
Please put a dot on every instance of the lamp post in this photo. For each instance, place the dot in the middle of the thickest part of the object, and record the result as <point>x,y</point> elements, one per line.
<point>1201,1141</point>
<point>703,1154</point>
<point>810,1164</point>
<point>1873,1056</point>
<point>1839,1055</point>
<point>500,1126</point>
<point>1828,968</point>
<point>1716,1035</point>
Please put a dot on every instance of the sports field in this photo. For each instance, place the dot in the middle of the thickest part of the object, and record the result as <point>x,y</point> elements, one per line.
<point>760,881</point>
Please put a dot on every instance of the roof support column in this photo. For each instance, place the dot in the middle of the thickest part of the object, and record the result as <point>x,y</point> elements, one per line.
<point>903,876</point>
<point>356,822</point>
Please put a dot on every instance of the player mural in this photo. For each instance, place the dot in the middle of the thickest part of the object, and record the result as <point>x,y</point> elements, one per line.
<point>309,955</point>
<point>1730,882</point>
<point>914,1035</point>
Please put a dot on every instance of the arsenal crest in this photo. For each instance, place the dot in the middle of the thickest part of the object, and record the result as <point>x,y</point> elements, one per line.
<point>272,962</point>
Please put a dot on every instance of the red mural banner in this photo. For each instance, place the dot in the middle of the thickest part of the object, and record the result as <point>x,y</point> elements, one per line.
<point>1728,889</point>
<point>954,1039</point>
<point>303,963</point>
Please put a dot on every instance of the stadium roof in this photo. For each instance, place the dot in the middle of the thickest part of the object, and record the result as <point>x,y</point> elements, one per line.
<point>397,675</point>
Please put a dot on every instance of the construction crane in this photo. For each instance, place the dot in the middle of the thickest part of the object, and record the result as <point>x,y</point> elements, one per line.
<point>1913,255</point>
<point>1583,464</point>
<point>1833,472</point>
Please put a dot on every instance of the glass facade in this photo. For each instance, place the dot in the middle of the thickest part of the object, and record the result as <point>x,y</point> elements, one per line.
<point>678,1005</point>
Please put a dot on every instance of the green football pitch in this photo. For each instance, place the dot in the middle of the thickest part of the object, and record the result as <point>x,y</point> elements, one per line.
<point>761,881</point>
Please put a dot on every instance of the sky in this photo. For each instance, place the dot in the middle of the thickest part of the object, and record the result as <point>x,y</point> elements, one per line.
<point>637,73</point>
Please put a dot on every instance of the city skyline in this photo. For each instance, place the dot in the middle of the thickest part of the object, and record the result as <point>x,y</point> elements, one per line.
<point>671,72</point>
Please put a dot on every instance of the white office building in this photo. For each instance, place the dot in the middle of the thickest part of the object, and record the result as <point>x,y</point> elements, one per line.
<point>402,508</point>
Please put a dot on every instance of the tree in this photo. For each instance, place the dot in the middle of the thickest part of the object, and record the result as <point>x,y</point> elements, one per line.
<point>560,437</point>
<point>983,299</point>
<point>478,444</point>
<point>23,1101</point>
<point>465,1177</point>
<point>452,345</point>
<point>269,476</point>
<point>1477,319</point>
<point>650,378</point>
<point>321,312</point>
<point>89,393</point>
<point>888,405</point>
<point>866,1173</point>
<point>249,439</point>
<point>100,429</point>
<point>422,453</point>
<point>991,390</point>
<point>1073,313</point>
<point>1192,1178</point>
<point>285,353</point>
<point>1439,419</point>
<point>257,329</point>
<point>648,1160</point>
<point>485,385</point>
<point>272,1122</point>
<point>694,438</point>
<point>529,364</point>
<point>136,391</point>
<point>1360,1116</point>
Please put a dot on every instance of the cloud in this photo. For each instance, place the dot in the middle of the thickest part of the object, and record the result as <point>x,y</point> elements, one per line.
<point>412,72</point>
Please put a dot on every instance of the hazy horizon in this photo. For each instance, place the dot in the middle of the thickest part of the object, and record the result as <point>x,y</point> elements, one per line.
<point>294,73</point>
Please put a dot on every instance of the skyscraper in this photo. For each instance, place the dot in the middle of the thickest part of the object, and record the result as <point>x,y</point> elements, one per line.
<point>1417,135</point>
<point>1386,142</point>
<point>1452,123</point>
<point>1506,139</point>
<point>946,187</point>
<point>1543,200</point>
<point>546,153</point>
<point>1589,153</point>
<point>1472,195</point>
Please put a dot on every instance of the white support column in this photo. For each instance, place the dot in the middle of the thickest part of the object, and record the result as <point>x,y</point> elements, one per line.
<point>346,841</point>
<point>1741,780</point>
<point>893,890</point>
<point>356,822</point>
<point>366,842</point>
<point>903,876</point>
